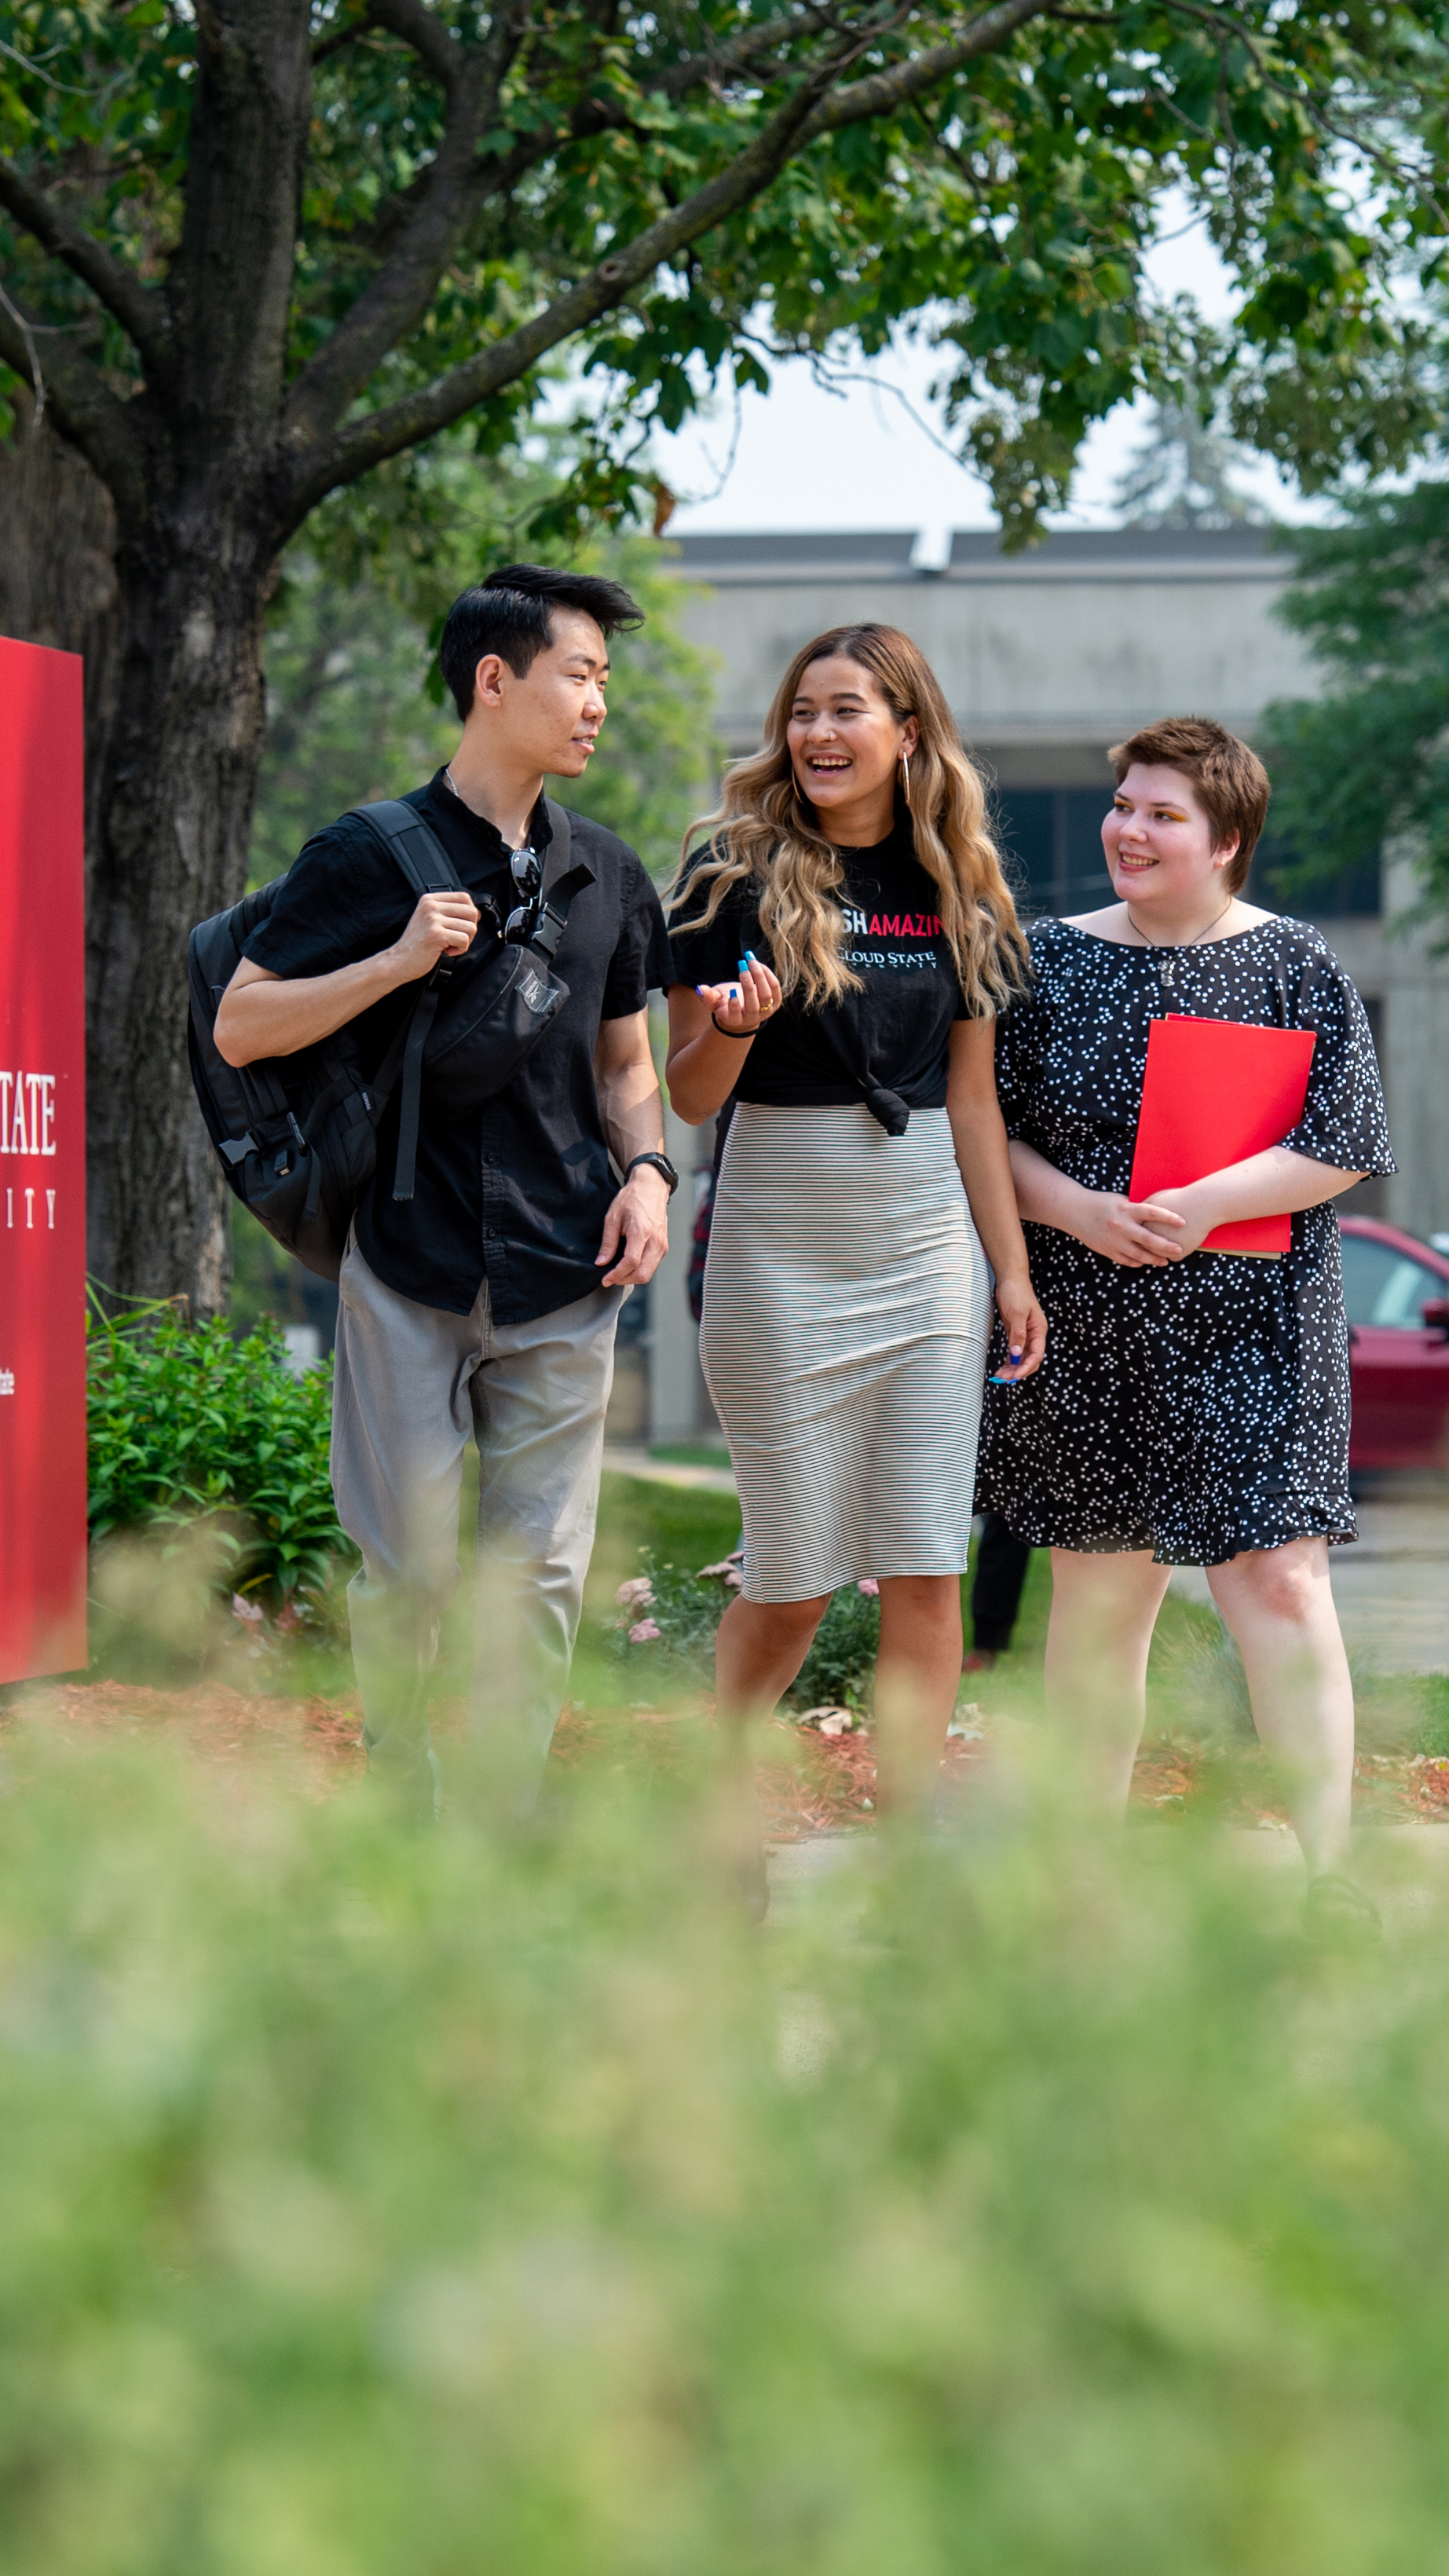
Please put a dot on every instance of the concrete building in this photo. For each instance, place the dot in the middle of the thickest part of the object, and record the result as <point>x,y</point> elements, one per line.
<point>1047,658</point>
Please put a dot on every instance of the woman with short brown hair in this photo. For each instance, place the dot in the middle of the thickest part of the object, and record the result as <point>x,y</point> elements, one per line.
<point>1193,1408</point>
<point>842,943</point>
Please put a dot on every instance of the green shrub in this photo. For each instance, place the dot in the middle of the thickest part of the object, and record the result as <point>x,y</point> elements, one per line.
<point>673,1616</point>
<point>376,2207</point>
<point>186,1422</point>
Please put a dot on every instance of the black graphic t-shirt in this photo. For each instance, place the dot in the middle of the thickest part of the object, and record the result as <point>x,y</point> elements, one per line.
<point>895,1031</point>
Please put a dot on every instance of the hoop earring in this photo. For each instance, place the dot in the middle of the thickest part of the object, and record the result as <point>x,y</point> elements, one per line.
<point>906,778</point>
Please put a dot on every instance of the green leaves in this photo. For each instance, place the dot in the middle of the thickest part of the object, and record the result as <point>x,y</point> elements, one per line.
<point>185,1422</point>
<point>1370,758</point>
<point>350,670</point>
<point>1011,200</point>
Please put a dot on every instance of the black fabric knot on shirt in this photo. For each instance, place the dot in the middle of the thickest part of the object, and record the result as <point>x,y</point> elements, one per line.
<point>887,1108</point>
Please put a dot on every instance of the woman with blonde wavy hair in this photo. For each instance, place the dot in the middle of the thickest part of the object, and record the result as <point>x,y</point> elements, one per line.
<point>842,941</point>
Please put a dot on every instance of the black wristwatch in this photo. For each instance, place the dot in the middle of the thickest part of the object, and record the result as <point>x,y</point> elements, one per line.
<point>661,1163</point>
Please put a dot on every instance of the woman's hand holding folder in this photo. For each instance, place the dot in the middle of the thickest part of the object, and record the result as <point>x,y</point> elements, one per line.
<point>1137,1237</point>
<point>1277,1182</point>
<point>1148,1234</point>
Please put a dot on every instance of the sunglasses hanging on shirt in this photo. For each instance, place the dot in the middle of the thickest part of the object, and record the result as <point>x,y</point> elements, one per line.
<point>522,922</point>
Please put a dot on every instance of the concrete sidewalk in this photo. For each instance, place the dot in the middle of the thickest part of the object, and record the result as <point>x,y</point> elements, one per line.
<point>632,1458</point>
<point>1404,1867</point>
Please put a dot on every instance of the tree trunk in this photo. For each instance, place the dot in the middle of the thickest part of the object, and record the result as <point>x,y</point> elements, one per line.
<point>171,631</point>
<point>58,572</point>
<point>179,778</point>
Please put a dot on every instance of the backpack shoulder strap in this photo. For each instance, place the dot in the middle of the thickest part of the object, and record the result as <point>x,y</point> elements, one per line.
<point>564,876</point>
<point>561,843</point>
<point>412,844</point>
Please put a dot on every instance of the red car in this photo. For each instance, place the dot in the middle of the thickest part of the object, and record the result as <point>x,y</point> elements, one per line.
<point>1396,1290</point>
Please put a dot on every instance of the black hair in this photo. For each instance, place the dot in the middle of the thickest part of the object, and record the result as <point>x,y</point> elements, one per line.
<point>508,614</point>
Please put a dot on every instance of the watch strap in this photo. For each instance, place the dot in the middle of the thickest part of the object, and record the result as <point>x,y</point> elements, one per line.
<point>661,1163</point>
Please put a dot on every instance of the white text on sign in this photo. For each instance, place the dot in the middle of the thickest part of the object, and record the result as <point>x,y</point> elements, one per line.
<point>27,1113</point>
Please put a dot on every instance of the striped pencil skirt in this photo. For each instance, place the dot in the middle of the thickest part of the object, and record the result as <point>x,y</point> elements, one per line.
<point>846,1310</point>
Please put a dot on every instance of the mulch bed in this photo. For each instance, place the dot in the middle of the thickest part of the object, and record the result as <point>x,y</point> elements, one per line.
<point>809,1784</point>
<point>315,1744</point>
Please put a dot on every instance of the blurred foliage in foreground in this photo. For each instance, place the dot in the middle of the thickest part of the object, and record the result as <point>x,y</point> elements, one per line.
<point>185,1423</point>
<point>385,2207</point>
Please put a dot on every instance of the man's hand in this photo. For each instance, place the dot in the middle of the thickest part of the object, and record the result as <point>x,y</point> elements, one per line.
<point>639,1221</point>
<point>263,1014</point>
<point>442,926</point>
<point>1137,1236</point>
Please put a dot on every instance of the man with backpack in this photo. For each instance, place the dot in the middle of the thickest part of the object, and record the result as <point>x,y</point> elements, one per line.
<point>521,1185</point>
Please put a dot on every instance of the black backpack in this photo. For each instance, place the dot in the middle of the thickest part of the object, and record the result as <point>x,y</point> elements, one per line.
<point>297,1134</point>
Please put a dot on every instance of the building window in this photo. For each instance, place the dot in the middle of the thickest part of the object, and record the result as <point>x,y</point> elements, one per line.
<point>1276,880</point>
<point>1051,842</point>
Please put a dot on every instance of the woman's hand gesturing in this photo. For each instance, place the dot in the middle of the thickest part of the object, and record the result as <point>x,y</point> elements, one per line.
<point>739,1008</point>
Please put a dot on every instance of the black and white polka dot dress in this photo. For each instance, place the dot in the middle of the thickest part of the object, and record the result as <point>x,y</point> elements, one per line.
<point>1203,1408</point>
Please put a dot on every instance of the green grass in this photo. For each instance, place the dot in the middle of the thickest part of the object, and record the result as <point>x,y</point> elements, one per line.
<point>386,2206</point>
<point>678,1524</point>
<point>156,1619</point>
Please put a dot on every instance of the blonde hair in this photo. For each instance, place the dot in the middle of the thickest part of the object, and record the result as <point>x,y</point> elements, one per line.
<point>766,830</point>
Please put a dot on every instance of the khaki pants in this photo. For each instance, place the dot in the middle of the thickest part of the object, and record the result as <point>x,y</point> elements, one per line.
<point>411,1385</point>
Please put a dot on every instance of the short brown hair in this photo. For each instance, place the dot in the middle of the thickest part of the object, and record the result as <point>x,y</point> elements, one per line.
<point>1229,780</point>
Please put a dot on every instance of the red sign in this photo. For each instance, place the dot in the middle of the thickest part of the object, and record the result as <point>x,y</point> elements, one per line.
<point>42,1165</point>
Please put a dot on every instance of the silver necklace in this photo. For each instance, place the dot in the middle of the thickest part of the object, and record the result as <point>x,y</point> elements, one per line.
<point>1166,968</point>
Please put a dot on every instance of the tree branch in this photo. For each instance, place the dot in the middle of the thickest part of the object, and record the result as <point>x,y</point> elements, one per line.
<point>364,443</point>
<point>367,442</point>
<point>751,46</point>
<point>80,401</point>
<point>884,91</point>
<point>395,299</point>
<point>596,116</point>
<point>435,44</point>
<point>141,315</point>
<point>1384,162</point>
<point>428,232</point>
<point>873,97</point>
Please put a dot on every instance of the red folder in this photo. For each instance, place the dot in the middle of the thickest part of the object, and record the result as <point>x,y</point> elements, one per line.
<point>1215,1092</point>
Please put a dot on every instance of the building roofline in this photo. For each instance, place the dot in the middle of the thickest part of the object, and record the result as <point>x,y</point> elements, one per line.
<point>978,555</point>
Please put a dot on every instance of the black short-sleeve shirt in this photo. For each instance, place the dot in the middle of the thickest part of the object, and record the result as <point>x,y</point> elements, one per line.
<point>896,1030</point>
<point>516,1191</point>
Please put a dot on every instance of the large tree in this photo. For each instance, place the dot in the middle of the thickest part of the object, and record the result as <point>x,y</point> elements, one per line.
<point>253,249</point>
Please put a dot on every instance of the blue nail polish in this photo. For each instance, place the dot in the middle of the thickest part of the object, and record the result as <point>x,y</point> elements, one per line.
<point>744,964</point>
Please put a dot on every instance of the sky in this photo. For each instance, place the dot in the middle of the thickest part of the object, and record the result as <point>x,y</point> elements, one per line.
<point>805,457</point>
